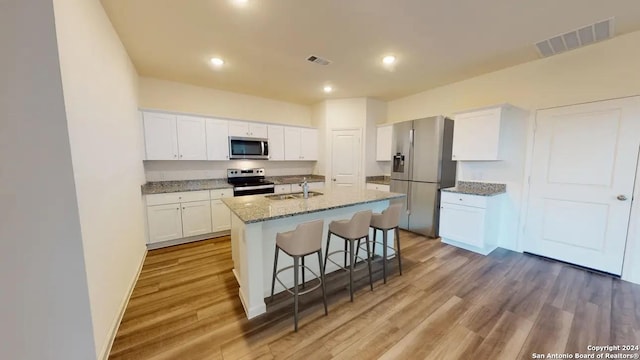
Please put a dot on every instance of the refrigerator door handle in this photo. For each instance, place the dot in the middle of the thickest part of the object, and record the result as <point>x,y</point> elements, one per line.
<point>411,132</point>
<point>409,198</point>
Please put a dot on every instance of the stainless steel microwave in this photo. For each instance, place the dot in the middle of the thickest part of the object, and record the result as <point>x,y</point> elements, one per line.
<point>248,148</point>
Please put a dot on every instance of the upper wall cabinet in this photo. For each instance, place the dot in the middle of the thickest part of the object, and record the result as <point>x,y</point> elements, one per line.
<point>300,144</point>
<point>171,137</point>
<point>477,135</point>
<point>383,143</point>
<point>276,142</point>
<point>245,129</point>
<point>217,139</point>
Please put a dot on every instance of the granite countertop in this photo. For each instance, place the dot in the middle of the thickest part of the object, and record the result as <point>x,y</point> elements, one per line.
<point>295,179</point>
<point>477,188</point>
<point>161,187</point>
<point>380,180</point>
<point>257,208</point>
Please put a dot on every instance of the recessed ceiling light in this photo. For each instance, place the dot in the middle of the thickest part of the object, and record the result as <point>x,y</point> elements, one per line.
<point>388,60</point>
<point>217,61</point>
<point>327,89</point>
<point>241,2</point>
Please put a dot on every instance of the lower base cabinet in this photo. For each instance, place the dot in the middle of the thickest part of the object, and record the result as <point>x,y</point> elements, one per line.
<point>181,215</point>
<point>470,221</point>
<point>379,187</point>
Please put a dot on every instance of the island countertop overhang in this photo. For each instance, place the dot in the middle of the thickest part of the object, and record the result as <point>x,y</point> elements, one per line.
<point>258,208</point>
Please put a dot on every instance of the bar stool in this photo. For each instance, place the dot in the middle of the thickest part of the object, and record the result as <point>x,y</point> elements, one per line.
<point>389,219</point>
<point>305,240</point>
<point>351,231</point>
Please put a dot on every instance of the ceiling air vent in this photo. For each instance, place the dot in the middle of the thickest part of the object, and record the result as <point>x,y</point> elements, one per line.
<point>318,60</point>
<point>574,39</point>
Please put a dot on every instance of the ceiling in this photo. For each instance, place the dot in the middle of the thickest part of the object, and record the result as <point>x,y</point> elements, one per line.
<point>265,42</point>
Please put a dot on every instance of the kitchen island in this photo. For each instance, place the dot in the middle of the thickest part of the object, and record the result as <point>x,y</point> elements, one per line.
<point>256,219</point>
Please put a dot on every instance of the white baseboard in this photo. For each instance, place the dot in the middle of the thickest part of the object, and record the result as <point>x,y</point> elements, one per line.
<point>116,324</point>
<point>163,244</point>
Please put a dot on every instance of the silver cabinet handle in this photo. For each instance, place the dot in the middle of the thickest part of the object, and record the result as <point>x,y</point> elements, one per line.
<point>175,156</point>
<point>621,197</point>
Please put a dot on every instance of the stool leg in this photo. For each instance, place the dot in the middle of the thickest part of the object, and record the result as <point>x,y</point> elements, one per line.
<point>303,282</point>
<point>326,253</point>
<point>275,268</point>
<point>351,255</point>
<point>369,264</point>
<point>398,250</point>
<point>345,254</point>
<point>296,259</point>
<point>384,255</point>
<point>358,250</point>
<point>373,248</point>
<point>324,289</point>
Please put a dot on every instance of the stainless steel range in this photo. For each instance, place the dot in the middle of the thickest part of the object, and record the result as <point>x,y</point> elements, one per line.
<point>249,182</point>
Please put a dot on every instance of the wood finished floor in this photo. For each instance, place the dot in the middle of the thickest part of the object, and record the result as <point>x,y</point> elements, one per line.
<point>449,304</point>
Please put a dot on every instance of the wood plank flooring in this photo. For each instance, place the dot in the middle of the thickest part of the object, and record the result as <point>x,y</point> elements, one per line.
<point>449,304</point>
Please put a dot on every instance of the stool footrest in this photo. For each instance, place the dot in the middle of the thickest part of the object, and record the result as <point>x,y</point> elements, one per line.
<point>299,292</point>
<point>356,259</point>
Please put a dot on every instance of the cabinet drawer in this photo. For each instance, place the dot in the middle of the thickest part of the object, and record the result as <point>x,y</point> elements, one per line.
<point>221,193</point>
<point>177,197</point>
<point>464,199</point>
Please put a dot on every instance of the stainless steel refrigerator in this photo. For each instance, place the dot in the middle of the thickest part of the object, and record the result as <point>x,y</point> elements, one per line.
<point>422,166</point>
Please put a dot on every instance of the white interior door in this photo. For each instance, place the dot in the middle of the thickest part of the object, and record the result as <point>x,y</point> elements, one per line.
<point>345,157</point>
<point>582,178</point>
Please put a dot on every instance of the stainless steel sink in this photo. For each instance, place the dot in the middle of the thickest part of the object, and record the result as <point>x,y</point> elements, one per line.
<point>296,195</point>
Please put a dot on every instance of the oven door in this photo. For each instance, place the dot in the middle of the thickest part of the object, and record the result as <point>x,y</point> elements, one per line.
<point>253,190</point>
<point>248,148</point>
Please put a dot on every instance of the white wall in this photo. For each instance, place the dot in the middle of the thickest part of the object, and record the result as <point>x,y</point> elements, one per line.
<point>319,121</point>
<point>193,170</point>
<point>600,71</point>
<point>44,301</point>
<point>376,114</point>
<point>100,95</point>
<point>179,97</point>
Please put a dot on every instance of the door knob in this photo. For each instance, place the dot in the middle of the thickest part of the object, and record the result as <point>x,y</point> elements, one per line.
<point>621,197</point>
<point>333,179</point>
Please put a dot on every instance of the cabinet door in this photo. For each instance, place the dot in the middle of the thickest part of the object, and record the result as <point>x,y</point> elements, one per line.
<point>292,143</point>
<point>383,143</point>
<point>238,128</point>
<point>196,218</point>
<point>258,131</point>
<point>220,216</point>
<point>276,142</point>
<point>309,144</point>
<point>165,222</point>
<point>217,139</point>
<point>476,135</point>
<point>464,224</point>
<point>192,140</point>
<point>316,185</point>
<point>160,136</point>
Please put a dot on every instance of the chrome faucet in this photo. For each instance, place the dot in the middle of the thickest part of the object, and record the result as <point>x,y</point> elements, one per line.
<point>305,188</point>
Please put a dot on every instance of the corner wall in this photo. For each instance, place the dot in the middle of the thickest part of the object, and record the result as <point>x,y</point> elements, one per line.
<point>105,133</point>
<point>44,306</point>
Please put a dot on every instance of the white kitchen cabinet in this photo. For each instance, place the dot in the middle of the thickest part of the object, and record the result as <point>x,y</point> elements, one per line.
<point>165,222</point>
<point>276,142</point>
<point>192,143</point>
<point>283,189</point>
<point>160,136</point>
<point>171,137</point>
<point>220,213</point>
<point>480,135</point>
<point>379,187</point>
<point>470,221</point>
<point>292,145</point>
<point>309,144</point>
<point>383,143</point>
<point>246,129</point>
<point>217,132</point>
<point>196,218</point>
<point>300,144</point>
<point>178,215</point>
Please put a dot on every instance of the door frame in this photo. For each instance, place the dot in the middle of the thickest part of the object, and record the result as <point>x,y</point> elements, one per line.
<point>630,264</point>
<point>359,175</point>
